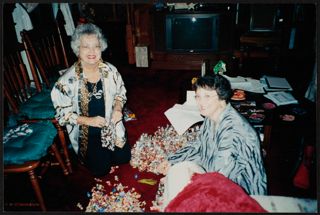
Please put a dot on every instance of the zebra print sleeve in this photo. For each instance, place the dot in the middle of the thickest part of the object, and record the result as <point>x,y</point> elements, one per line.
<point>188,153</point>
<point>193,150</point>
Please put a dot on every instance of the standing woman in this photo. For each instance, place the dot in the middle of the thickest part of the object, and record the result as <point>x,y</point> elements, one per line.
<point>88,99</point>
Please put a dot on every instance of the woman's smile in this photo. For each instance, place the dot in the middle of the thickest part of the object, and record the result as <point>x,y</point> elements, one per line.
<point>91,56</point>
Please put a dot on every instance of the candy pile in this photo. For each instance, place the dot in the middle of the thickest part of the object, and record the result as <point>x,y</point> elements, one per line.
<point>119,200</point>
<point>150,150</point>
<point>157,203</point>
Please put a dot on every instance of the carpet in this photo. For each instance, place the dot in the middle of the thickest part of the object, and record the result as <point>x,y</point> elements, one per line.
<point>149,96</point>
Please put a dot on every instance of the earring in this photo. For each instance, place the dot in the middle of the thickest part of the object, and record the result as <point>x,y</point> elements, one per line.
<point>100,62</point>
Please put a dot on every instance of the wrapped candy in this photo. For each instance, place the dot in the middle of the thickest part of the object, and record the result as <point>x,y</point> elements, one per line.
<point>150,150</point>
<point>157,203</point>
<point>113,169</point>
<point>79,206</point>
<point>121,199</point>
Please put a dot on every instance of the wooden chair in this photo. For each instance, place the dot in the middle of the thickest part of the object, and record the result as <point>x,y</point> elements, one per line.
<point>267,138</point>
<point>25,149</point>
<point>29,167</point>
<point>45,54</point>
<point>30,104</point>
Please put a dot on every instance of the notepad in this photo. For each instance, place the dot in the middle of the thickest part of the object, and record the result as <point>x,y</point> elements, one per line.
<point>278,82</point>
<point>281,98</point>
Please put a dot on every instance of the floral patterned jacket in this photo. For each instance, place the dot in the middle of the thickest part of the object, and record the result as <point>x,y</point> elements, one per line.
<point>67,95</point>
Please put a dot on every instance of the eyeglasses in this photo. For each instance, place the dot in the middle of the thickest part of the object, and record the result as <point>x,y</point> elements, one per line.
<point>205,96</point>
<point>90,47</point>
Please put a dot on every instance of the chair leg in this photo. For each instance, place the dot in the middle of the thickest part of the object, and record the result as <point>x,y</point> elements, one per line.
<point>36,187</point>
<point>58,157</point>
<point>45,167</point>
<point>62,139</point>
<point>65,148</point>
<point>267,138</point>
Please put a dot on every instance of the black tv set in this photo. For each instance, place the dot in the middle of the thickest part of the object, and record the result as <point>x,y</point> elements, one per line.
<point>192,32</point>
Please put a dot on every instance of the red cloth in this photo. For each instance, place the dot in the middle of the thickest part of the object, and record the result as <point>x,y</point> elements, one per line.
<point>213,192</point>
<point>302,177</point>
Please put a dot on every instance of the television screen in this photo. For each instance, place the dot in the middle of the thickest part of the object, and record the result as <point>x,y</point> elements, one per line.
<point>192,32</point>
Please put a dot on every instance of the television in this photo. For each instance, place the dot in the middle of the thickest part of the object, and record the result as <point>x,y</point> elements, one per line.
<point>192,32</point>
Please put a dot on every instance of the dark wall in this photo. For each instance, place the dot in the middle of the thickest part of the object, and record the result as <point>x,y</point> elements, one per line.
<point>113,27</point>
<point>9,34</point>
<point>291,63</point>
<point>112,18</point>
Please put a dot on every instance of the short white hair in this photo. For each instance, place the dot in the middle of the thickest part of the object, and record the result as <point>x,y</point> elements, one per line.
<point>87,29</point>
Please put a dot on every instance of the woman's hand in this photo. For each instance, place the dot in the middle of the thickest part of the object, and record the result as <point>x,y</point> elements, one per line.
<point>116,116</point>
<point>96,121</point>
<point>163,167</point>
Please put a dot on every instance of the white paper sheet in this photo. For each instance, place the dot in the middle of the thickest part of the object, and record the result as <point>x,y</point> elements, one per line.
<point>247,84</point>
<point>183,117</point>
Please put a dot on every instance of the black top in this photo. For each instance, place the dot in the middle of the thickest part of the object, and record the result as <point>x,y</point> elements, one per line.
<point>96,108</point>
<point>99,159</point>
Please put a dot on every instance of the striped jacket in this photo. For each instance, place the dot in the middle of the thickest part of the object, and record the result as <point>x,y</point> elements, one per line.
<point>231,148</point>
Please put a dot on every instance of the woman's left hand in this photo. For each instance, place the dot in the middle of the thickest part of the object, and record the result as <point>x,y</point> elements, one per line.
<point>116,116</point>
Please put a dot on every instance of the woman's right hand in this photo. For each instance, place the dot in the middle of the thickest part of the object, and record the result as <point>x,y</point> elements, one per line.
<point>95,121</point>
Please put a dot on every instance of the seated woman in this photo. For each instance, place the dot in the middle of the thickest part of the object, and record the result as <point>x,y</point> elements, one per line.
<point>227,144</point>
<point>88,99</point>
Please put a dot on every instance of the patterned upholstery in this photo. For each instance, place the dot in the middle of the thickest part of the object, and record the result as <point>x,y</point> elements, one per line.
<point>20,148</point>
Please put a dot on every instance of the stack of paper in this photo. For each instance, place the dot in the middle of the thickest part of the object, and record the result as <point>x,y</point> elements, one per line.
<point>247,84</point>
<point>272,83</point>
<point>281,98</point>
<point>184,116</point>
<point>238,82</point>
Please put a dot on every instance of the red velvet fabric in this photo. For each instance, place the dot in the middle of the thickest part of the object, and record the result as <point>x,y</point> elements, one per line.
<point>213,192</point>
<point>301,179</point>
